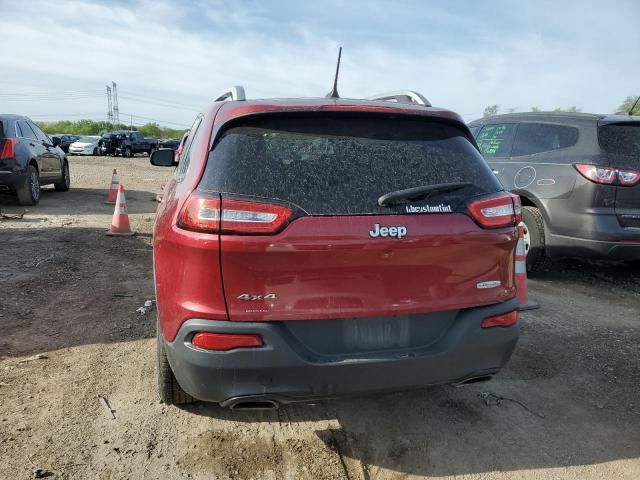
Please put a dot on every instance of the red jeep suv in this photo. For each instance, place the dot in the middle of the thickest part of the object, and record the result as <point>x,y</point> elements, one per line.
<point>313,248</point>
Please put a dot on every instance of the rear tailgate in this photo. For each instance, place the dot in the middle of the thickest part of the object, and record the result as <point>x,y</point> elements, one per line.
<point>343,255</point>
<point>329,267</point>
<point>620,143</point>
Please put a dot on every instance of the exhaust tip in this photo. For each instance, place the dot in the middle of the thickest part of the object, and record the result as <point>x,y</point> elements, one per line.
<point>254,405</point>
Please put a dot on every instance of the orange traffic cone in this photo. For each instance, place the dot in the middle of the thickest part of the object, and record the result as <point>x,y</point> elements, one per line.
<point>113,190</point>
<point>120,223</point>
<point>521,274</point>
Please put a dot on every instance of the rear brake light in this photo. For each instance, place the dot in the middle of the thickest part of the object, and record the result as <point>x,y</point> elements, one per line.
<point>239,216</point>
<point>517,207</point>
<point>494,212</point>
<point>203,213</point>
<point>225,341</point>
<point>604,175</point>
<point>608,175</point>
<point>628,178</point>
<point>8,149</point>
<point>503,320</point>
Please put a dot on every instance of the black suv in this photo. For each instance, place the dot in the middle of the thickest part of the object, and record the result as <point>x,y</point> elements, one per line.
<point>578,177</point>
<point>29,159</point>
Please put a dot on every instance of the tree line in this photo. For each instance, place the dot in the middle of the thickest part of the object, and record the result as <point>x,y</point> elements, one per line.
<point>626,107</point>
<point>93,127</point>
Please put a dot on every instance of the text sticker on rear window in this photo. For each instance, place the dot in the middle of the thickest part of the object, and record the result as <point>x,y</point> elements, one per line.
<point>494,140</point>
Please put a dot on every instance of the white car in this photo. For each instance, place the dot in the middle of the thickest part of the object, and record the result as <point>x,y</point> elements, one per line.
<point>85,146</point>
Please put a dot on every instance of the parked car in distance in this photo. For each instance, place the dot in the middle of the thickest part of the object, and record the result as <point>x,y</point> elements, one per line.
<point>109,142</point>
<point>578,177</point>
<point>64,141</point>
<point>85,146</point>
<point>135,142</point>
<point>126,143</point>
<point>169,143</point>
<point>29,159</point>
<point>364,245</point>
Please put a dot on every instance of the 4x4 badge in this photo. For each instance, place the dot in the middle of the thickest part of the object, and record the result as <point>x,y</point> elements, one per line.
<point>397,231</point>
<point>253,298</point>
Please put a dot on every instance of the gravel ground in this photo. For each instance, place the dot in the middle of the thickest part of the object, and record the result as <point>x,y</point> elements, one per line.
<point>566,406</point>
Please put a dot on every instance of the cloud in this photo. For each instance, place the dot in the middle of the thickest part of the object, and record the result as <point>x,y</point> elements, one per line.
<point>461,56</point>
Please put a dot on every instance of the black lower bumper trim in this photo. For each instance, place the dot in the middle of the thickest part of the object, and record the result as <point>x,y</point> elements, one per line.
<point>285,373</point>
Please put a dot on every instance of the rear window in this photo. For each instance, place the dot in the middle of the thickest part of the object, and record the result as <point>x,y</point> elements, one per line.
<point>496,140</point>
<point>341,165</point>
<point>543,137</point>
<point>620,139</point>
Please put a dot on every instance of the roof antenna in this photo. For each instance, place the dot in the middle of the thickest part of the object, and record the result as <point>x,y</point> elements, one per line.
<point>630,111</point>
<point>334,93</point>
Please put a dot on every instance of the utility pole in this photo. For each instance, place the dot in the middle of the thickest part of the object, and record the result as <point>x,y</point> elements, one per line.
<point>109,106</point>
<point>116,110</point>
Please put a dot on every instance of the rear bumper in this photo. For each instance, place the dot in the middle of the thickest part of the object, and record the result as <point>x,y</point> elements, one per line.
<point>284,370</point>
<point>12,179</point>
<point>573,230</point>
<point>564,246</point>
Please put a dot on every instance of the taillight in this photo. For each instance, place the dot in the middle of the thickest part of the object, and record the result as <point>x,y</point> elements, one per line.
<point>628,178</point>
<point>239,216</point>
<point>517,207</point>
<point>8,149</point>
<point>225,341</point>
<point>604,175</point>
<point>608,175</point>
<point>205,214</point>
<point>496,211</point>
<point>503,320</point>
<point>200,213</point>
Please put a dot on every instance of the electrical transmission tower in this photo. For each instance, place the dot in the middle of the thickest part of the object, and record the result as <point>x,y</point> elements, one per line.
<point>116,111</point>
<point>109,105</point>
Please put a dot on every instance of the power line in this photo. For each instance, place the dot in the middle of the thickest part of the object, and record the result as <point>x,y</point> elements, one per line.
<point>156,120</point>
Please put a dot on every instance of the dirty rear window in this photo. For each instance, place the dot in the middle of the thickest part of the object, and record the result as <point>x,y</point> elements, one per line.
<point>341,165</point>
<point>620,139</point>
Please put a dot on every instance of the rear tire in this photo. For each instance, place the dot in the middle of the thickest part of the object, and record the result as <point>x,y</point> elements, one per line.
<point>65,182</point>
<point>534,227</point>
<point>29,192</point>
<point>127,152</point>
<point>170,391</point>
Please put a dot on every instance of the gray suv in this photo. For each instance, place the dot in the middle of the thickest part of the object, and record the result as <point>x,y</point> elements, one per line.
<point>578,176</point>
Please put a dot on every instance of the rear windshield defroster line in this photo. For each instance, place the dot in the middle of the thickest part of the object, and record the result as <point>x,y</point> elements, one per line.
<point>342,164</point>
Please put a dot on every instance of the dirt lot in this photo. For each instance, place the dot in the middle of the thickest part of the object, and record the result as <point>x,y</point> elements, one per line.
<point>567,406</point>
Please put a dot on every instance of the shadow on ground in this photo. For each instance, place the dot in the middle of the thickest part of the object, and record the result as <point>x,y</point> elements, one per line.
<point>79,201</point>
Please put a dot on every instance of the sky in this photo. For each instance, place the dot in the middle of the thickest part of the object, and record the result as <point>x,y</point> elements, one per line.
<point>169,58</point>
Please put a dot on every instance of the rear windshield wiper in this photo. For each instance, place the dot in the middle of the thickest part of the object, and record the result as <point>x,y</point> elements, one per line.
<point>416,193</point>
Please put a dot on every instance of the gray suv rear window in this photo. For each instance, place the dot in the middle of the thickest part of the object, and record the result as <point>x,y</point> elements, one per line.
<point>542,137</point>
<point>623,139</point>
<point>342,164</point>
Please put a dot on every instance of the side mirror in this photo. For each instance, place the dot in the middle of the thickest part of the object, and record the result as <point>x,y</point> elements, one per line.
<point>56,141</point>
<point>163,157</point>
